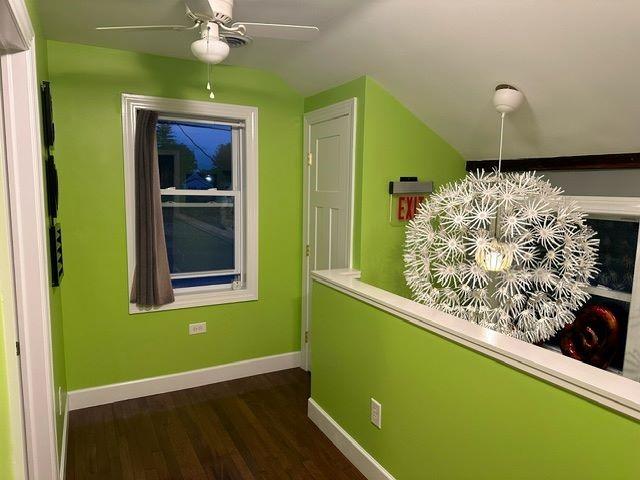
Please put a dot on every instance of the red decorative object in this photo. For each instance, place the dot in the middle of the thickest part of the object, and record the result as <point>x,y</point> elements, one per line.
<point>593,337</point>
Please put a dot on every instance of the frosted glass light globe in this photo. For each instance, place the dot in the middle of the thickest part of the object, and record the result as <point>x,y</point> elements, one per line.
<point>494,258</point>
<point>211,50</point>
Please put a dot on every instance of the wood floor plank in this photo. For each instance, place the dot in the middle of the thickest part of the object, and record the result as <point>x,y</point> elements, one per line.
<point>254,428</point>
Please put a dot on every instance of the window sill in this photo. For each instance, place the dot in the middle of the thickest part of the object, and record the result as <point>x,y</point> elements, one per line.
<point>203,298</point>
<point>608,389</point>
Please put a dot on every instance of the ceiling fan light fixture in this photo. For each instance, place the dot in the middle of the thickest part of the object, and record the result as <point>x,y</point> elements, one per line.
<point>211,51</point>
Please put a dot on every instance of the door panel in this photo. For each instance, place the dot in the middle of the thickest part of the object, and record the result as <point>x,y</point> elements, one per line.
<point>320,228</point>
<point>329,195</point>
<point>327,162</point>
<point>337,256</point>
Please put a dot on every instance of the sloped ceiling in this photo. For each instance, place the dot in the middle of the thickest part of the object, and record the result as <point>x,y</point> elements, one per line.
<point>576,61</point>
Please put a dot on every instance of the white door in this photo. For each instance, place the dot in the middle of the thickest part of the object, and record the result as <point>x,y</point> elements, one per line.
<point>329,141</point>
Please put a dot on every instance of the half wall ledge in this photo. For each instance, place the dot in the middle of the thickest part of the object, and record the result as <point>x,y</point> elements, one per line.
<point>612,391</point>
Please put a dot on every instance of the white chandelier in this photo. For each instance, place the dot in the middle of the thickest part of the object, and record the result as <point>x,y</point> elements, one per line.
<point>503,250</point>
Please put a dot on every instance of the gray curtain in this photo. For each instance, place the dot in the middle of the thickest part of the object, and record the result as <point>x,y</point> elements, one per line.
<point>152,278</point>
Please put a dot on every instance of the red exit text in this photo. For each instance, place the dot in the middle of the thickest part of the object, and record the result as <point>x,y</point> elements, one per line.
<point>408,206</point>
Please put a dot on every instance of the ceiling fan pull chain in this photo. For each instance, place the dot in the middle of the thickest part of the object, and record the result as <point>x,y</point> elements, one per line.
<point>211,95</point>
<point>209,86</point>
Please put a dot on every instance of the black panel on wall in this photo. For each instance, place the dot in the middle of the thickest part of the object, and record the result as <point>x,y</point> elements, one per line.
<point>51,179</point>
<point>55,241</point>
<point>48,128</point>
<point>52,187</point>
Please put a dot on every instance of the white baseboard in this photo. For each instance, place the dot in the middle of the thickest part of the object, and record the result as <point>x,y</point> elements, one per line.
<point>63,450</point>
<point>90,397</point>
<point>351,449</point>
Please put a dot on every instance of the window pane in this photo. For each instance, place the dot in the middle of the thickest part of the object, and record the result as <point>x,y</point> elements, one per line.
<point>202,281</point>
<point>617,254</point>
<point>194,156</point>
<point>200,233</point>
<point>595,338</point>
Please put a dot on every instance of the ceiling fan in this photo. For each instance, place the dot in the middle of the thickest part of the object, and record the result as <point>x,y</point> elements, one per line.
<point>218,31</point>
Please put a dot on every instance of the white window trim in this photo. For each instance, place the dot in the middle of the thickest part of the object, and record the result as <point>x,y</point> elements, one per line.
<point>200,296</point>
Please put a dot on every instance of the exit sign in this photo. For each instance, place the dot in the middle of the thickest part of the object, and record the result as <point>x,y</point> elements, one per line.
<point>408,206</point>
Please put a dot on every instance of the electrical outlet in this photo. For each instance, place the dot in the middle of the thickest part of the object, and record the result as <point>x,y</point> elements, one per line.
<point>376,413</point>
<point>197,328</point>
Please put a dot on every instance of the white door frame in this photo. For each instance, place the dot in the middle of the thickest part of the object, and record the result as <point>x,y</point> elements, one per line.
<point>344,108</point>
<point>25,189</point>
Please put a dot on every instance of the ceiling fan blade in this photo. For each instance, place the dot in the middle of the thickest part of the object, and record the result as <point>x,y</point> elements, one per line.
<point>150,27</point>
<point>280,31</point>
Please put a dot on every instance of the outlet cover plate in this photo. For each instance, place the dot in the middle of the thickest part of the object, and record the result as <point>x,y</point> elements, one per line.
<point>197,328</point>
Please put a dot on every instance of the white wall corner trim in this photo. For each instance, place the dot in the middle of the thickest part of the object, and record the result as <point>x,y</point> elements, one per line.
<point>20,96</point>
<point>344,442</point>
<point>63,449</point>
<point>90,397</point>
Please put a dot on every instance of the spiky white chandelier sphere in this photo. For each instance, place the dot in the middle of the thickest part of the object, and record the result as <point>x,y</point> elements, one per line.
<point>552,254</point>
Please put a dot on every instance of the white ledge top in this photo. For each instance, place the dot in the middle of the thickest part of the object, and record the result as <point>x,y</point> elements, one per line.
<point>608,389</point>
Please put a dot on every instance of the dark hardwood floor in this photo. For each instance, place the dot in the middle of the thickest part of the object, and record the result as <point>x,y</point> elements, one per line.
<point>252,428</point>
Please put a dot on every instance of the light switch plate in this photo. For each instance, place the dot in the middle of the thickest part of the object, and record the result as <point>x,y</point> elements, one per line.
<point>376,413</point>
<point>197,328</point>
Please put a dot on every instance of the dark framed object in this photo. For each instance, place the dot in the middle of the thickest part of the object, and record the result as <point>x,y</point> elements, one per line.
<point>51,174</point>
<point>48,128</point>
<point>55,246</point>
<point>608,161</point>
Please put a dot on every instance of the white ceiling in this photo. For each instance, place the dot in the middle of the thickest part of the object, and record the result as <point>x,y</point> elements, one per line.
<point>576,61</point>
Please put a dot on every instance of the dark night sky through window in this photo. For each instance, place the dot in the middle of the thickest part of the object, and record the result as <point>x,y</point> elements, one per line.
<point>206,137</point>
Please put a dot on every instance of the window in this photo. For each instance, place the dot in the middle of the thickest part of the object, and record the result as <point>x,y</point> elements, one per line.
<point>207,162</point>
<point>198,164</point>
<point>616,288</point>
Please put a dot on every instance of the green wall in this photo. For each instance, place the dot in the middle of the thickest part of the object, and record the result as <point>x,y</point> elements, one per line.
<point>396,143</point>
<point>391,142</point>
<point>449,412</point>
<point>104,344</point>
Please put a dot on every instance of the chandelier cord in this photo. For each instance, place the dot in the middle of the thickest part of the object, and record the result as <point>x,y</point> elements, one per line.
<point>501,138</point>
<point>497,219</point>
